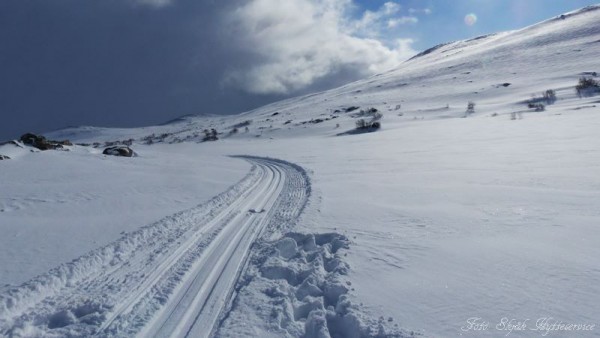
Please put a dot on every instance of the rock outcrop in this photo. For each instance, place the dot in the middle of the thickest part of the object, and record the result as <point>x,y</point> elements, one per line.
<point>119,151</point>
<point>41,143</point>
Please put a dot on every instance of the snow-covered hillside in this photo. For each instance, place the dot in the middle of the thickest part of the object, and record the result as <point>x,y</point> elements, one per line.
<point>438,217</point>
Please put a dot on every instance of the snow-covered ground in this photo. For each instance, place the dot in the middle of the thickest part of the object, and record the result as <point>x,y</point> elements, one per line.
<point>437,218</point>
<point>58,205</point>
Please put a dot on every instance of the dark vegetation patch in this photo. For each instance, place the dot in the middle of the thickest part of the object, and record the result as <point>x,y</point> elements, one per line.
<point>242,124</point>
<point>587,87</point>
<point>210,135</point>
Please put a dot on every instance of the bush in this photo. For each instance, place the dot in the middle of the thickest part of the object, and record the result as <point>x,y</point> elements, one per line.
<point>210,135</point>
<point>242,124</point>
<point>370,120</point>
<point>587,87</point>
<point>372,113</point>
<point>549,96</point>
<point>363,124</point>
<point>537,106</point>
<point>470,108</point>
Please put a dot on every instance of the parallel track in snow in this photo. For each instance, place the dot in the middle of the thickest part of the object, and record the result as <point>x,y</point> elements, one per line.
<point>174,278</point>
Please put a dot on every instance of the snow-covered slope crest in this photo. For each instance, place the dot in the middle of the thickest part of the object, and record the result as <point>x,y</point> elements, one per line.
<point>497,71</point>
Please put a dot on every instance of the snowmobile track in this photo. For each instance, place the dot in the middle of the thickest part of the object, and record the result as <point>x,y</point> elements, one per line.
<point>174,278</point>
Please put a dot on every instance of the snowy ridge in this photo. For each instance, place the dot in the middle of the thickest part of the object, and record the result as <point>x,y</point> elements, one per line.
<point>527,60</point>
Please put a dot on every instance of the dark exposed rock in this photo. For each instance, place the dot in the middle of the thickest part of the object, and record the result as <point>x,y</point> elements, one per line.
<point>40,142</point>
<point>119,151</point>
<point>4,157</point>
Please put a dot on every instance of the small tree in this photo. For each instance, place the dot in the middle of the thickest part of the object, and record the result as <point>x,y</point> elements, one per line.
<point>370,120</point>
<point>361,124</point>
<point>549,96</point>
<point>587,87</point>
<point>210,135</point>
<point>470,108</point>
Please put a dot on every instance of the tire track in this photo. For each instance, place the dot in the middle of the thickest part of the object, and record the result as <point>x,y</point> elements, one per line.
<point>172,278</point>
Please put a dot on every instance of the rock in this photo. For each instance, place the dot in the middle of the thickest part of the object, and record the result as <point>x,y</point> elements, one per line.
<point>119,151</point>
<point>4,157</point>
<point>41,143</point>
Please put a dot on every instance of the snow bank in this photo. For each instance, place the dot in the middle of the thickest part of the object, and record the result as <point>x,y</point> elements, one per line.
<point>297,286</point>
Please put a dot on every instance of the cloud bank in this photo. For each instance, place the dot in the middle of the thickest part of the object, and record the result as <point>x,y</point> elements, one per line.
<point>290,45</point>
<point>139,62</point>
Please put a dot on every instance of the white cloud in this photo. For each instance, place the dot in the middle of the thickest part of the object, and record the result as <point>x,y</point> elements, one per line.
<point>294,43</point>
<point>369,24</point>
<point>393,23</point>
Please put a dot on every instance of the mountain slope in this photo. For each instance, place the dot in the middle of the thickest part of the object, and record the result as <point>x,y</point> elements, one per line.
<point>549,55</point>
<point>440,220</point>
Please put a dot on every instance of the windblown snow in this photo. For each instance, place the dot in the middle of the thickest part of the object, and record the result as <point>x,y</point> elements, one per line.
<point>449,220</point>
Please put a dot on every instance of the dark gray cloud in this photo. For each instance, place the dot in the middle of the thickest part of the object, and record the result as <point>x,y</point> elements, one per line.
<point>132,63</point>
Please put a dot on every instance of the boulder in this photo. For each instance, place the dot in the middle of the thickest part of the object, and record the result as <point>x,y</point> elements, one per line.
<point>41,143</point>
<point>119,151</point>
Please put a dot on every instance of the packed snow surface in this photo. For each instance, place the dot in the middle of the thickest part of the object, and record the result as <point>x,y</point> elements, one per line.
<point>442,218</point>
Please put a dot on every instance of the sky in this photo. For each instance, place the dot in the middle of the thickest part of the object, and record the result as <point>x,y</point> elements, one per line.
<point>126,63</point>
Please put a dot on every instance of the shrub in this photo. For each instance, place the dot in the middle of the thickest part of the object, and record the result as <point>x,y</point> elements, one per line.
<point>537,106</point>
<point>242,124</point>
<point>364,124</point>
<point>372,113</point>
<point>210,135</point>
<point>470,108</point>
<point>587,87</point>
<point>549,96</point>
<point>369,119</point>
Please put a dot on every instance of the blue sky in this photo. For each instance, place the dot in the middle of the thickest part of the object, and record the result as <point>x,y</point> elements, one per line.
<point>139,62</point>
<point>445,21</point>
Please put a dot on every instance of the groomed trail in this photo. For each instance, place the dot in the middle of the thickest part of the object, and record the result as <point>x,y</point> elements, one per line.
<point>173,278</point>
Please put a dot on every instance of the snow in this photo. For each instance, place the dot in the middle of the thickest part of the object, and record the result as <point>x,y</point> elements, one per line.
<point>438,217</point>
<point>58,205</point>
